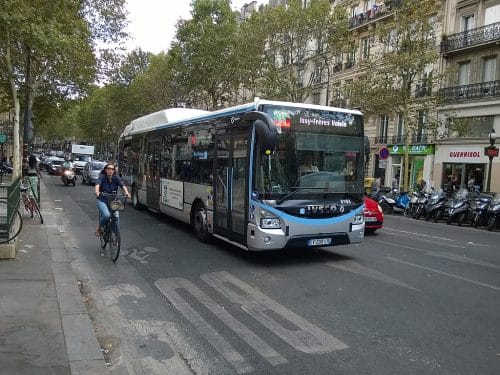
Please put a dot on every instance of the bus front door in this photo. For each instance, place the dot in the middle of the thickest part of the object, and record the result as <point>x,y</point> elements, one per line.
<point>153,175</point>
<point>231,170</point>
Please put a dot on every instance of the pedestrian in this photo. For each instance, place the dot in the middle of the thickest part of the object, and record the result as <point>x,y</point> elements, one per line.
<point>395,182</point>
<point>470,183</point>
<point>375,187</point>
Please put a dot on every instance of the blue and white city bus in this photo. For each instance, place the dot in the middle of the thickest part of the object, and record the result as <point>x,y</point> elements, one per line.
<point>263,176</point>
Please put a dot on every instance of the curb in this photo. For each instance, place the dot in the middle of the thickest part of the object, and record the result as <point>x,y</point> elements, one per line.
<point>83,350</point>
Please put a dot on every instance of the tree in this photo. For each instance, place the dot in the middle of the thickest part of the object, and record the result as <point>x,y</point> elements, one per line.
<point>295,44</point>
<point>400,77</point>
<point>208,46</point>
<point>52,43</point>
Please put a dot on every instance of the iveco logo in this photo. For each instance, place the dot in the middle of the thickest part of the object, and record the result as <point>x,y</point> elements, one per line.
<point>321,208</point>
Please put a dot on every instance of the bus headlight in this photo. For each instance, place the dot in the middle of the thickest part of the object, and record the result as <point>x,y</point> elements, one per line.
<point>270,223</point>
<point>267,220</point>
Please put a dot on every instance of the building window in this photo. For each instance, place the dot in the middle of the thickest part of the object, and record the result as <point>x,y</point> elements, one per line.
<point>492,15</point>
<point>468,22</point>
<point>391,42</point>
<point>400,131</point>
<point>489,69</point>
<point>464,73</point>
<point>470,127</point>
<point>365,47</point>
<point>383,129</point>
<point>316,98</point>
<point>420,132</point>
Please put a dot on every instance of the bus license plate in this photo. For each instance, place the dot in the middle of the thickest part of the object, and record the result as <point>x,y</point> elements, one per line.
<point>319,242</point>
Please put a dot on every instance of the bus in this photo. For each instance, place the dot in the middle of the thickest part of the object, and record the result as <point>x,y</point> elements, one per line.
<point>237,174</point>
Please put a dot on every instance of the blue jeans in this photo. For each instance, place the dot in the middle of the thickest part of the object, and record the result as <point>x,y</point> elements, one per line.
<point>105,213</point>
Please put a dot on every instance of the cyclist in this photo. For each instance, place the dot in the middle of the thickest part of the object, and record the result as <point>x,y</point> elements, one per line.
<point>109,183</point>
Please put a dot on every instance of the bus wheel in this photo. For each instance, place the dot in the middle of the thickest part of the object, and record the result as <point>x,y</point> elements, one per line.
<point>200,224</point>
<point>135,198</point>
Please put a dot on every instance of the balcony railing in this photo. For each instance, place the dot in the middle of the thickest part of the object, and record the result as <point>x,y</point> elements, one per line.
<point>376,11</point>
<point>382,139</point>
<point>476,91</point>
<point>481,35</point>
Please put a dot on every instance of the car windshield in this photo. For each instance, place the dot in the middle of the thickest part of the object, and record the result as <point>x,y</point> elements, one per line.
<point>318,152</point>
<point>97,166</point>
<point>56,162</point>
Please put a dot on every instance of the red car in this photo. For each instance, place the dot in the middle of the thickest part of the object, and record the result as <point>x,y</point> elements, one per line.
<point>374,218</point>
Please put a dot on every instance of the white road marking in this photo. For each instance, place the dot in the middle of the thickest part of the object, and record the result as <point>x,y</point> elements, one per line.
<point>350,266</point>
<point>445,273</point>
<point>306,337</point>
<point>144,329</point>
<point>168,288</point>
<point>440,254</point>
<point>430,239</point>
<point>419,234</point>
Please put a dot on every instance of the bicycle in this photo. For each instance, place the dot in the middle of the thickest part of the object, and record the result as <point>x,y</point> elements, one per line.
<point>28,197</point>
<point>110,233</point>
<point>11,221</point>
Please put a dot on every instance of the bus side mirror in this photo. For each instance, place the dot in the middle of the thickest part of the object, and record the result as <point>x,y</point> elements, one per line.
<point>267,134</point>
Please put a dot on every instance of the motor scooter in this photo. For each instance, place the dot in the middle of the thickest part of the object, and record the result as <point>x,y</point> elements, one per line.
<point>480,210</point>
<point>436,205</point>
<point>68,177</point>
<point>459,209</point>
<point>494,212</point>
<point>422,200</point>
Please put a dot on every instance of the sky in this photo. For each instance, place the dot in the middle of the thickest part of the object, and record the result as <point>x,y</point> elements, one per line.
<point>152,22</point>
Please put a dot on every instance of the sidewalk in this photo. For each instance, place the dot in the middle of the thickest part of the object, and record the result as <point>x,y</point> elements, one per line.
<point>44,325</point>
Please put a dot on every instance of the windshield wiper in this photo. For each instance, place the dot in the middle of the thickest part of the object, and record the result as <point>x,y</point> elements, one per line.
<point>298,188</point>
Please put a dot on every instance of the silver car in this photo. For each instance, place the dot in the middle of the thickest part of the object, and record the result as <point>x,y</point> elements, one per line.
<point>91,172</point>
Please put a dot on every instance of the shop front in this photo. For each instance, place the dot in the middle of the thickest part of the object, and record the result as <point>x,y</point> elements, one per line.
<point>461,166</point>
<point>420,158</point>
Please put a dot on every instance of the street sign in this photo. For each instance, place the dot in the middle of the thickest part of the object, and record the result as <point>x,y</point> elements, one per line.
<point>3,138</point>
<point>383,153</point>
<point>491,152</point>
<point>382,164</point>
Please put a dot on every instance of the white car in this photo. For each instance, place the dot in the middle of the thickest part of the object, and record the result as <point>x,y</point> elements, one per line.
<point>91,171</point>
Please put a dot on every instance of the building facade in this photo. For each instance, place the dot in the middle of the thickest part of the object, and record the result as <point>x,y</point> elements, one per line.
<point>471,110</point>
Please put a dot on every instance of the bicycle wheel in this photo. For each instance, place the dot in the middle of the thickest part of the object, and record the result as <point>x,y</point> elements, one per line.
<point>114,241</point>
<point>36,210</point>
<point>11,222</point>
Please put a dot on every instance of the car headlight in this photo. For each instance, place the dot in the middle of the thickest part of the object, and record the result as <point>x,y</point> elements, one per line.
<point>358,219</point>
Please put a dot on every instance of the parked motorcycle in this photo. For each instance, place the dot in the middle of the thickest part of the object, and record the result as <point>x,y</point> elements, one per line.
<point>411,208</point>
<point>459,209</point>
<point>394,201</point>
<point>68,177</point>
<point>422,200</point>
<point>494,212</point>
<point>480,210</point>
<point>388,201</point>
<point>436,205</point>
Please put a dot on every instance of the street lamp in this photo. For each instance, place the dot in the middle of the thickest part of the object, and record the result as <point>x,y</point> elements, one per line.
<point>491,151</point>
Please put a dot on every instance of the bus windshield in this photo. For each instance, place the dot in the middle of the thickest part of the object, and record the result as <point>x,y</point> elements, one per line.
<point>318,152</point>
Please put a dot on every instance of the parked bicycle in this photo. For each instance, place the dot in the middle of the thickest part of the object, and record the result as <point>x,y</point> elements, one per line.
<point>28,198</point>
<point>109,235</point>
<point>11,221</point>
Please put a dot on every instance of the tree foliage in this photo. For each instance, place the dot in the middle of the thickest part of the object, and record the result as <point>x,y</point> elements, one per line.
<point>208,45</point>
<point>52,43</point>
